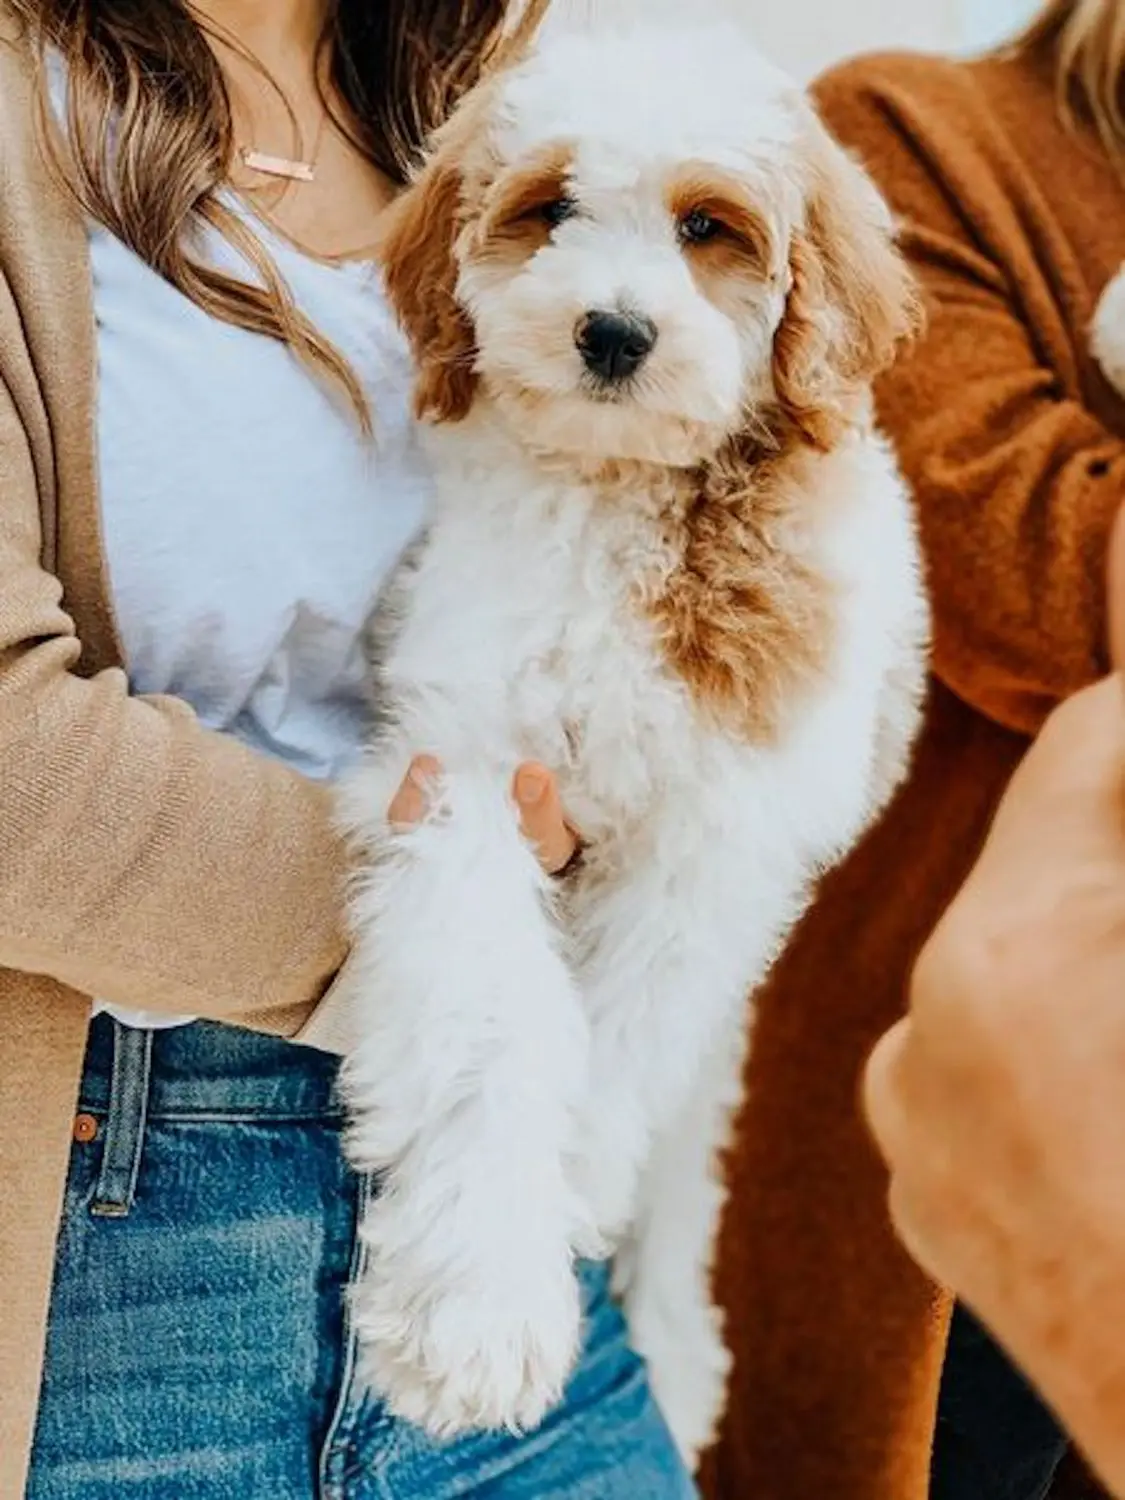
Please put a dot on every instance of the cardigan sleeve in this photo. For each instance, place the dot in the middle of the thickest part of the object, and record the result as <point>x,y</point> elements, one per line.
<point>144,859</point>
<point>1016,482</point>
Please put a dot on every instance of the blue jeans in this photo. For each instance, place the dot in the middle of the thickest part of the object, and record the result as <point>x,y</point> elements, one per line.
<point>198,1346</point>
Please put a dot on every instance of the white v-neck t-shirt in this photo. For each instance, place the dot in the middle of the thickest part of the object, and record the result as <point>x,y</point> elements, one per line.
<point>248,522</point>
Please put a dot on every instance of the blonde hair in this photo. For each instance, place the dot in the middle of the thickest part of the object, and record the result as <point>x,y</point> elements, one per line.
<point>148,128</point>
<point>1087,38</point>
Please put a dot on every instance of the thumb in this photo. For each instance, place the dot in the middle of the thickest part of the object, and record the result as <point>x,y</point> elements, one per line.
<point>1116,598</point>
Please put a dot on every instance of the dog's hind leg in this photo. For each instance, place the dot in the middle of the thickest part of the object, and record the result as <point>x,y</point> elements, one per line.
<point>663,1270</point>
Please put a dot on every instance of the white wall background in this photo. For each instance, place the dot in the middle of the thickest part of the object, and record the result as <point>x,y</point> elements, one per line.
<point>806,35</point>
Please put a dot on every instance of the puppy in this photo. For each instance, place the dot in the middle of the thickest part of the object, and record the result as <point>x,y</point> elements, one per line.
<point>672,560</point>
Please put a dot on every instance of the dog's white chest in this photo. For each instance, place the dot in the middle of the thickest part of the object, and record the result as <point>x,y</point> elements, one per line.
<point>550,640</point>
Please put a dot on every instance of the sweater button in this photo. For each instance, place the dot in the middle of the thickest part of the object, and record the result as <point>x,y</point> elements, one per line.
<point>85,1129</point>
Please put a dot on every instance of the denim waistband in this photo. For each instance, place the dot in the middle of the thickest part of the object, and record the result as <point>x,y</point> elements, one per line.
<point>212,1071</point>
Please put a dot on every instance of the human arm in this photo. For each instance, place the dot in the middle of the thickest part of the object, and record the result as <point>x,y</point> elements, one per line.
<point>143,858</point>
<point>999,1103</point>
<point>1016,480</point>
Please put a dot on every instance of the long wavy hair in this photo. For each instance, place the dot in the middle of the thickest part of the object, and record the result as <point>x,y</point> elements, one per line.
<point>1087,39</point>
<point>149,140</point>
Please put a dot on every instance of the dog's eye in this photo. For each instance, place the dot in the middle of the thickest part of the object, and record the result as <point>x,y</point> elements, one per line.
<point>556,210</point>
<point>698,226</point>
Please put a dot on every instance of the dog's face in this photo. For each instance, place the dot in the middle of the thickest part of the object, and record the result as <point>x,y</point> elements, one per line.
<point>640,244</point>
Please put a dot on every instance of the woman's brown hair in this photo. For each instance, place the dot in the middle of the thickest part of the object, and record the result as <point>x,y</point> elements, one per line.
<point>149,136</point>
<point>1087,38</point>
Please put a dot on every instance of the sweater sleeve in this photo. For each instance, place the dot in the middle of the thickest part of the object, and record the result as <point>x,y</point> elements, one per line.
<point>1016,482</point>
<point>144,859</point>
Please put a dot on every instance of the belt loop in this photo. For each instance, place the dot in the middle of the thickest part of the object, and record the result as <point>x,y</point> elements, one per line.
<point>125,1125</point>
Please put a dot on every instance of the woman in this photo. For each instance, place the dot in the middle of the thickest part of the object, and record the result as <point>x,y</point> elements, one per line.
<point>206,470</point>
<point>1006,172</point>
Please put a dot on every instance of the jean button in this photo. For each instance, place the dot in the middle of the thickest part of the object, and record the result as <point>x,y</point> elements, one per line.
<point>85,1129</point>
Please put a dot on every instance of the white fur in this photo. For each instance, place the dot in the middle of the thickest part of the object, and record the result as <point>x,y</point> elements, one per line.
<point>1107,335</point>
<point>544,1073</point>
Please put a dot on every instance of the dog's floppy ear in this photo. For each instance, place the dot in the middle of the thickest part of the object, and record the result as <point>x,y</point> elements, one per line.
<point>420,274</point>
<point>852,298</point>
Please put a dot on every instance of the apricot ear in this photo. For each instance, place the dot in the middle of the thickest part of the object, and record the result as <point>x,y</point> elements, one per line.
<point>852,298</point>
<point>420,274</point>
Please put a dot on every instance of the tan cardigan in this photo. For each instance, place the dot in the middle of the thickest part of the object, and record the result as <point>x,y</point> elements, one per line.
<point>142,858</point>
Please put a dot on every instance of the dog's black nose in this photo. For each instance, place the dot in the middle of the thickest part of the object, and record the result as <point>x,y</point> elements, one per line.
<point>614,345</point>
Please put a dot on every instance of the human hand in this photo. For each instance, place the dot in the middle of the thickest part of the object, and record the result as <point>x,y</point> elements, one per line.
<point>536,794</point>
<point>999,1103</point>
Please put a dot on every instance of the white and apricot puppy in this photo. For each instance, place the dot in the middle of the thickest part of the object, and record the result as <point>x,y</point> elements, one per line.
<point>670,558</point>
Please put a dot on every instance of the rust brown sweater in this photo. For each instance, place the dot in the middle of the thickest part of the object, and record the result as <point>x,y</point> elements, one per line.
<point>1013,443</point>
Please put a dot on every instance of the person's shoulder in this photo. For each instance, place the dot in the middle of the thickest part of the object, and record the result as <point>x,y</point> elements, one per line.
<point>916,119</point>
<point>917,91</point>
<point>34,205</point>
<point>972,100</point>
<point>43,247</point>
<point>874,74</point>
<point>16,50</point>
<point>17,90</point>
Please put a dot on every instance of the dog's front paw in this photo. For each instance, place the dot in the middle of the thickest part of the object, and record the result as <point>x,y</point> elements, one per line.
<point>688,1362</point>
<point>456,1343</point>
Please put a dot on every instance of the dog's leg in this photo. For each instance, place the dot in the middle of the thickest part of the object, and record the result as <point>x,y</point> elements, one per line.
<point>463,1092</point>
<point>663,1270</point>
<point>670,956</point>
<point>666,954</point>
